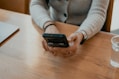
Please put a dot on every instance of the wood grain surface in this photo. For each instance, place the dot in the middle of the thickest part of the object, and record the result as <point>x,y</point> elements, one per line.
<point>23,57</point>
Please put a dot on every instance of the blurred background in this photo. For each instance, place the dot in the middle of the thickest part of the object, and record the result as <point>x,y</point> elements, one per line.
<point>115,18</point>
<point>15,5</point>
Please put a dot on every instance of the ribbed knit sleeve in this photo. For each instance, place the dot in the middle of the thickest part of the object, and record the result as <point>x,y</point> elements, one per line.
<point>39,12</point>
<point>91,22</point>
<point>96,17</point>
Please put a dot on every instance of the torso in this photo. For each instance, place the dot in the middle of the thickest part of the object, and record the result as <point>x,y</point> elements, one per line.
<point>74,9</point>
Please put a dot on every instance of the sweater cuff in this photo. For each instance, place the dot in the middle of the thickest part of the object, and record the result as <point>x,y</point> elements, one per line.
<point>85,36</point>
<point>40,21</point>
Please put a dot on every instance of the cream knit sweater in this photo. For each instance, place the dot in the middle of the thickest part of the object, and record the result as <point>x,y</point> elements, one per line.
<point>90,15</point>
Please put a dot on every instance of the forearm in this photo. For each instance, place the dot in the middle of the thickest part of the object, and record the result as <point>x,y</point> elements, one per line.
<point>96,17</point>
<point>39,12</point>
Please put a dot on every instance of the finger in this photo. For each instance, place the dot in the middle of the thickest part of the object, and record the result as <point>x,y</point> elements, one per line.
<point>59,51</point>
<point>51,49</point>
<point>74,40</point>
<point>45,46</point>
<point>72,37</point>
<point>68,54</point>
<point>77,38</point>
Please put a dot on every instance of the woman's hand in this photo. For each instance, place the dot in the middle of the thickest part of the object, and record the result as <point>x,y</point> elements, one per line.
<point>52,29</point>
<point>74,41</point>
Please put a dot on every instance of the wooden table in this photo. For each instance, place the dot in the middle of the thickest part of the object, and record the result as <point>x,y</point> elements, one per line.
<point>23,57</point>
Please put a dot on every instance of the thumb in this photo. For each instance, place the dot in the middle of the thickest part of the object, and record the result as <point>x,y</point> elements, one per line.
<point>72,37</point>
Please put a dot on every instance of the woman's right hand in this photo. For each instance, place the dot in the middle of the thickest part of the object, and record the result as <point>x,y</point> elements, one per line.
<point>52,29</point>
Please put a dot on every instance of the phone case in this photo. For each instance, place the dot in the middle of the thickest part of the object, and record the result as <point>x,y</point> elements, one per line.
<point>56,40</point>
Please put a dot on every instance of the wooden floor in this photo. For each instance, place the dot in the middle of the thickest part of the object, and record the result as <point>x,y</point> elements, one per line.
<point>115,18</point>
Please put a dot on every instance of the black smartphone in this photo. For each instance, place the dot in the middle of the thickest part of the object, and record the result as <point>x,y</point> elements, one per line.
<point>56,40</point>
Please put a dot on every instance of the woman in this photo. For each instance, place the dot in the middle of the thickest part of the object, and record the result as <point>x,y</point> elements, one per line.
<point>89,15</point>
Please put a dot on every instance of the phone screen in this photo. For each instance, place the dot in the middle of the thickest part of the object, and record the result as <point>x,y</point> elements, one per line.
<point>56,40</point>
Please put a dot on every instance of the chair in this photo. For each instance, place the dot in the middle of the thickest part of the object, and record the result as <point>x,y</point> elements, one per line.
<point>107,25</point>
